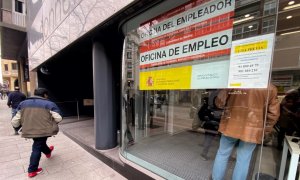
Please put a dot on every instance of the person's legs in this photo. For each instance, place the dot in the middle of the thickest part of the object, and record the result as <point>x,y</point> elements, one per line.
<point>208,139</point>
<point>221,160</point>
<point>35,154</point>
<point>129,135</point>
<point>244,154</point>
<point>44,147</point>
<point>13,113</point>
<point>280,138</point>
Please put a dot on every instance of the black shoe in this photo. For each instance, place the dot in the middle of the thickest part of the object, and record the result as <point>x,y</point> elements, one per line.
<point>16,133</point>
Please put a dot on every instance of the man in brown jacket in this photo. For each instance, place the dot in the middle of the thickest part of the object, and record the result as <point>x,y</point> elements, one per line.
<point>243,122</point>
<point>38,117</point>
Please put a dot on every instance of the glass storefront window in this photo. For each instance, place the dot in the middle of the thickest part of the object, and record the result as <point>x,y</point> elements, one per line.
<point>268,25</point>
<point>210,80</point>
<point>129,75</point>
<point>129,65</point>
<point>270,7</point>
<point>245,30</point>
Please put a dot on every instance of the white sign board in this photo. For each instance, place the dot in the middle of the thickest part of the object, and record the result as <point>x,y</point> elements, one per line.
<point>250,62</point>
<point>210,75</point>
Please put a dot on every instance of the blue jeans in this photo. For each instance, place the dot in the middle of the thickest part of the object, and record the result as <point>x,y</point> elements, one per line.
<point>244,154</point>
<point>13,112</point>
<point>39,146</point>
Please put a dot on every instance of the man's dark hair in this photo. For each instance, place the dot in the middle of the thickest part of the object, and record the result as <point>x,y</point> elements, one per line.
<point>40,92</point>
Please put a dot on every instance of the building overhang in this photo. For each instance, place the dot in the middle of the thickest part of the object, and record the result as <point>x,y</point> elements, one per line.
<point>12,43</point>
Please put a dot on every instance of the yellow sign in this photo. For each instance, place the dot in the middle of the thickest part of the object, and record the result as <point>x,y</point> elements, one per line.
<point>235,84</point>
<point>251,47</point>
<point>173,78</point>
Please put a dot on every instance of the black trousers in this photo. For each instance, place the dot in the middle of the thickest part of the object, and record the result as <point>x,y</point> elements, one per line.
<point>39,146</point>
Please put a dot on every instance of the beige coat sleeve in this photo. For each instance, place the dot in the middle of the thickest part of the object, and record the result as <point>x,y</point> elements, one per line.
<point>273,109</point>
<point>56,116</point>
<point>16,120</point>
<point>221,99</point>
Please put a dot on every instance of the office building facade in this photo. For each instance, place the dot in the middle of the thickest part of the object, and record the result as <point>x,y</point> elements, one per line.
<point>151,66</point>
<point>14,45</point>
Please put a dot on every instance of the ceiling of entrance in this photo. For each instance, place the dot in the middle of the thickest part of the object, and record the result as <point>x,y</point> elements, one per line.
<point>288,17</point>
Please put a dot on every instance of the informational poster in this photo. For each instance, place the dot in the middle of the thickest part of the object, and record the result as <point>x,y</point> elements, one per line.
<point>196,31</point>
<point>173,78</point>
<point>210,75</point>
<point>250,62</point>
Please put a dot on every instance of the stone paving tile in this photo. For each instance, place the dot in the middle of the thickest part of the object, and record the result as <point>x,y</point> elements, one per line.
<point>25,154</point>
<point>23,161</point>
<point>18,177</point>
<point>88,176</point>
<point>5,145</point>
<point>23,149</point>
<point>74,155</point>
<point>7,153</point>
<point>80,169</point>
<point>114,177</point>
<point>54,160</point>
<point>63,175</point>
<point>104,172</point>
<point>8,164</point>
<point>69,161</point>
<point>9,157</point>
<point>92,163</point>
<point>7,172</point>
<point>23,144</point>
<point>54,168</point>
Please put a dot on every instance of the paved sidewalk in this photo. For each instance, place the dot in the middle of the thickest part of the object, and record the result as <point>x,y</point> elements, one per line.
<point>68,161</point>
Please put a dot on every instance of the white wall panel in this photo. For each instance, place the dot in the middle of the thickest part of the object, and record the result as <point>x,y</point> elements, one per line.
<point>56,23</point>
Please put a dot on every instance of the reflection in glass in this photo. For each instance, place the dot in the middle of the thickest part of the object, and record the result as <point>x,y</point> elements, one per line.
<point>242,126</point>
<point>177,131</point>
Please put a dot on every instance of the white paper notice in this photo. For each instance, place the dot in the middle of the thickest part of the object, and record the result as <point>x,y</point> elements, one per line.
<point>210,75</point>
<point>250,61</point>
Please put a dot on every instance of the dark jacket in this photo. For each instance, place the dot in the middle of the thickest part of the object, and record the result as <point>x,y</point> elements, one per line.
<point>14,99</point>
<point>38,117</point>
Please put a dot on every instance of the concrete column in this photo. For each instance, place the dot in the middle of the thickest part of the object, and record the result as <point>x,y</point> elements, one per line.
<point>104,122</point>
<point>22,82</point>
<point>33,81</point>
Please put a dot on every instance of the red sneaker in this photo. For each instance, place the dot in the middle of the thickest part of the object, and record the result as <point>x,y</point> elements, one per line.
<point>32,174</point>
<point>51,149</point>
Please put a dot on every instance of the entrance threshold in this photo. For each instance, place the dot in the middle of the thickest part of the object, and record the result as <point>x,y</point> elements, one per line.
<point>110,157</point>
